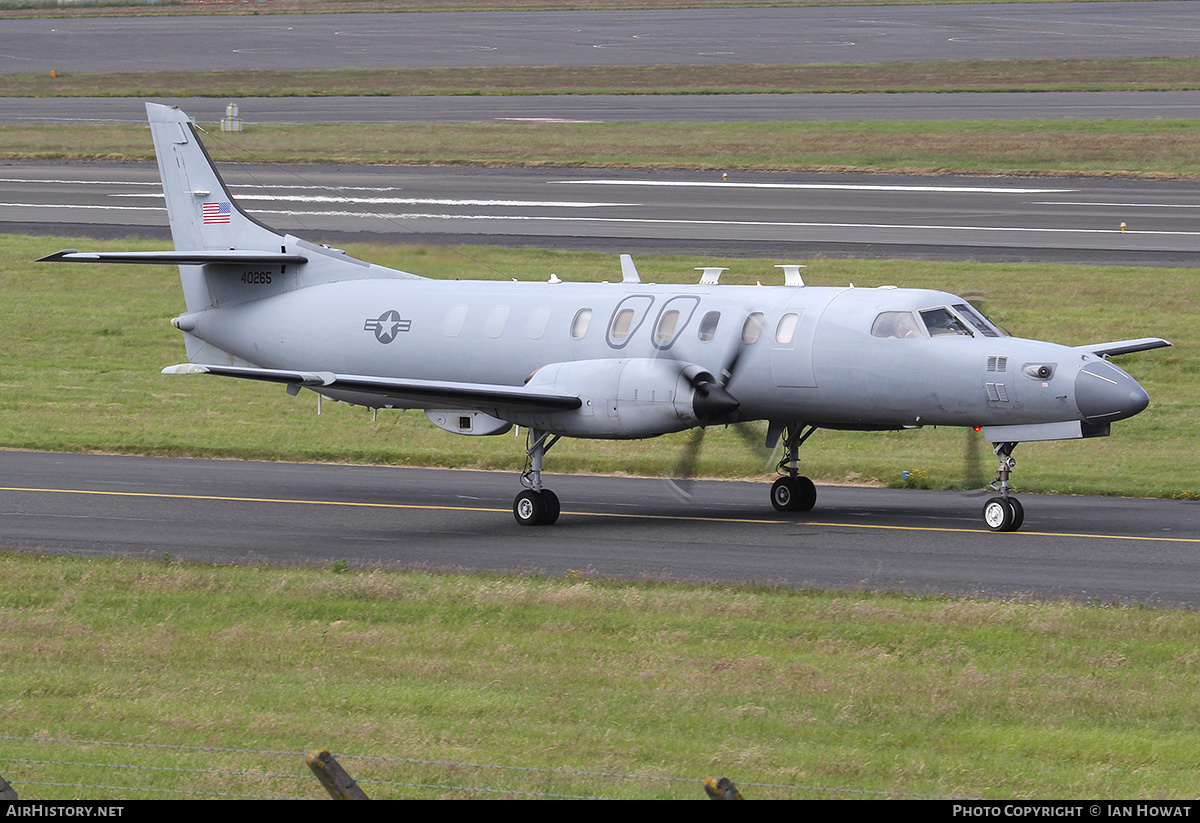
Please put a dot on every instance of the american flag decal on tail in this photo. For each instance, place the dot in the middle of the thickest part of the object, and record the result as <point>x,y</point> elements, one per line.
<point>216,212</point>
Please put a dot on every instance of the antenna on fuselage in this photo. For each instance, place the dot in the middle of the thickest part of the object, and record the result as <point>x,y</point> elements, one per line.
<point>629,272</point>
<point>710,274</point>
<point>791,274</point>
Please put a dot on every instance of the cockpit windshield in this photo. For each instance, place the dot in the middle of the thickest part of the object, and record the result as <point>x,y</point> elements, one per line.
<point>961,320</point>
<point>981,323</point>
<point>941,321</point>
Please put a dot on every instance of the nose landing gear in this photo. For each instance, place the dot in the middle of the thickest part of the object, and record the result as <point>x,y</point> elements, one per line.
<point>1004,513</point>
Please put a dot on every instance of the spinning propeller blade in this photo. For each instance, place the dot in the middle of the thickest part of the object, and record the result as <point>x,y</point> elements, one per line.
<point>714,404</point>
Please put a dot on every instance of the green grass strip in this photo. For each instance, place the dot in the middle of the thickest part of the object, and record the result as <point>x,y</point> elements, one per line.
<point>1125,74</point>
<point>1167,148</point>
<point>574,684</point>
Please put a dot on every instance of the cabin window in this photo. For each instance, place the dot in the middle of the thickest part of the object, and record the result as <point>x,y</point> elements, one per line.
<point>786,329</point>
<point>497,318</point>
<point>579,326</point>
<point>666,326</point>
<point>539,318</point>
<point>942,323</point>
<point>896,325</point>
<point>627,318</point>
<point>455,318</point>
<point>621,323</point>
<point>708,326</point>
<point>752,328</point>
<point>673,319</point>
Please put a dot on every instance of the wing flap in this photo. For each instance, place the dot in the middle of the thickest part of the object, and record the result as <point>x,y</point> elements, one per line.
<point>390,390</point>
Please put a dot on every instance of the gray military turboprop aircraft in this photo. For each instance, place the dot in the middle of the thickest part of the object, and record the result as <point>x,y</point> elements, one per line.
<point>617,361</point>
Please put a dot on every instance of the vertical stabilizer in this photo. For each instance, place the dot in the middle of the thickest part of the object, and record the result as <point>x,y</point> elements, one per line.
<point>202,213</point>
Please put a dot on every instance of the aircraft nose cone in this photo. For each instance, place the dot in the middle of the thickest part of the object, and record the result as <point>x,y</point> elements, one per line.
<point>1105,393</point>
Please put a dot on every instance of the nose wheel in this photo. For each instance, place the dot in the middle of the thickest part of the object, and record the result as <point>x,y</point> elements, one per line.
<point>1004,513</point>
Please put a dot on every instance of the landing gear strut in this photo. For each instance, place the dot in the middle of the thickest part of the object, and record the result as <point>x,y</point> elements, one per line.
<point>536,506</point>
<point>1004,513</point>
<point>792,492</point>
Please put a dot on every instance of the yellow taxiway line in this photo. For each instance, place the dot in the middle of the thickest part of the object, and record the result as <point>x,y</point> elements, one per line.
<point>700,518</point>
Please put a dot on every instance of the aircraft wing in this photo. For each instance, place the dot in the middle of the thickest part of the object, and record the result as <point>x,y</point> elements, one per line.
<point>1124,346</point>
<point>174,258</point>
<point>390,390</point>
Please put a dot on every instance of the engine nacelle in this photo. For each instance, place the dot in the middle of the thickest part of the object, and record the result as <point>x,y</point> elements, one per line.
<point>622,399</point>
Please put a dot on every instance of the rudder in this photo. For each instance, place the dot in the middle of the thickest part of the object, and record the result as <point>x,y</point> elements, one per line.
<point>202,213</point>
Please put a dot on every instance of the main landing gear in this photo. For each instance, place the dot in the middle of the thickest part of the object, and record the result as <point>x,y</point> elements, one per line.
<point>536,506</point>
<point>1004,513</point>
<point>792,492</point>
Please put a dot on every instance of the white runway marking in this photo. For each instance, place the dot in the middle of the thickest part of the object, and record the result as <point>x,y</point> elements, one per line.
<point>66,206</point>
<point>820,186</point>
<point>402,216</point>
<point>407,201</point>
<point>1116,205</point>
<point>751,223</point>
<point>154,183</point>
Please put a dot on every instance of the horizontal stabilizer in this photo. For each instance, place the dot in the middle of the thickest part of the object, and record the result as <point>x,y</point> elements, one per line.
<point>175,258</point>
<point>393,391</point>
<point>1124,346</point>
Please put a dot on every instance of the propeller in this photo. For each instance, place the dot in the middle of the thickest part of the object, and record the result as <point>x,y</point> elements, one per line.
<point>975,479</point>
<point>714,404</point>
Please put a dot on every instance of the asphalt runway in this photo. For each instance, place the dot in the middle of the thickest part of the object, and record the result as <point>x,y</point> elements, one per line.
<point>587,38</point>
<point>1092,549</point>
<point>786,216</point>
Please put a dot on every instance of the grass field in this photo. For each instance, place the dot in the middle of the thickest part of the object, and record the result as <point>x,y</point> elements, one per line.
<point>791,694</point>
<point>1101,74</point>
<point>1161,148</point>
<point>83,347</point>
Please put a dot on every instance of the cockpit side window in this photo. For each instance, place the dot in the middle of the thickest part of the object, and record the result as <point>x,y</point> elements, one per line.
<point>941,322</point>
<point>981,323</point>
<point>896,325</point>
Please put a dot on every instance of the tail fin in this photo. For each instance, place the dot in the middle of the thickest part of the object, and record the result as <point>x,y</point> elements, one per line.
<point>202,213</point>
<point>224,255</point>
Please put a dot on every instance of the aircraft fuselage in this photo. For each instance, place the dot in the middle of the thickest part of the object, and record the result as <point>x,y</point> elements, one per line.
<point>815,356</point>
